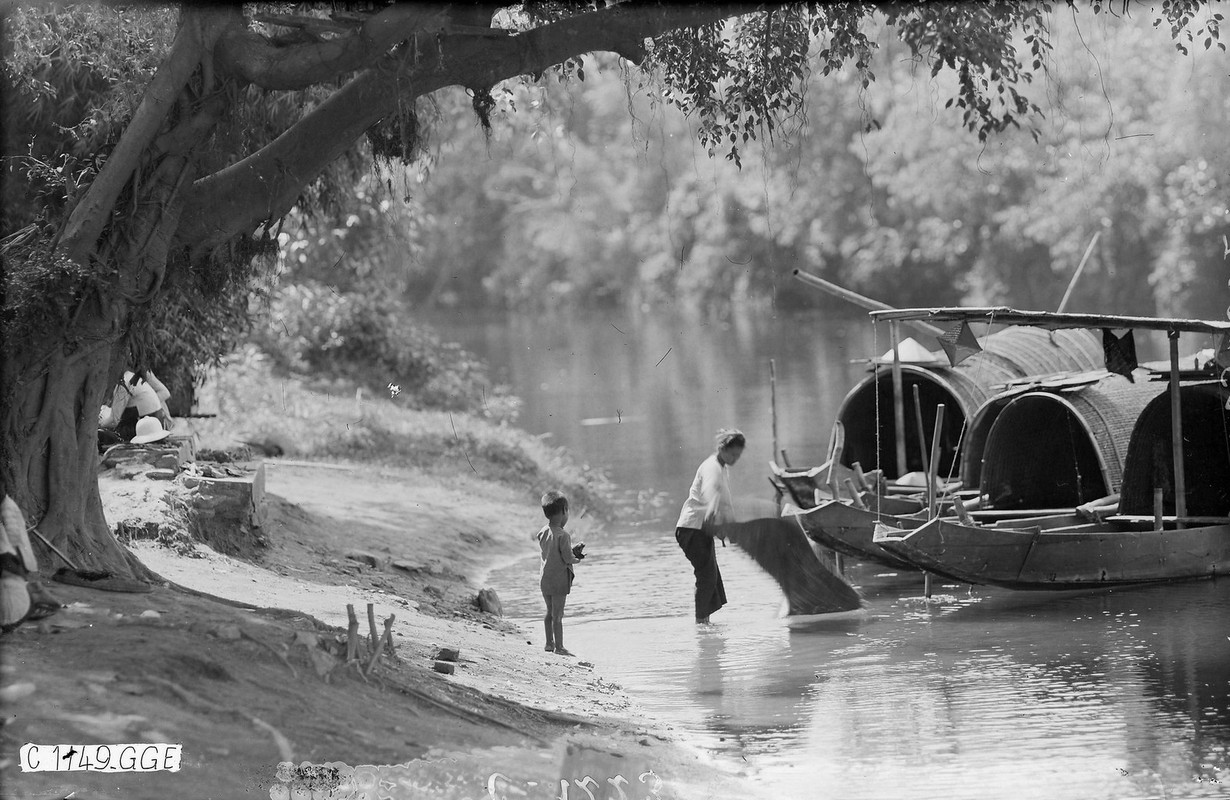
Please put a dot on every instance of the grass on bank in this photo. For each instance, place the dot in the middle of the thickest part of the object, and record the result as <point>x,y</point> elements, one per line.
<point>255,405</point>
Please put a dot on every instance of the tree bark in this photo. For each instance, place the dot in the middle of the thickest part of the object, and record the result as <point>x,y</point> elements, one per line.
<point>51,434</point>
<point>54,385</point>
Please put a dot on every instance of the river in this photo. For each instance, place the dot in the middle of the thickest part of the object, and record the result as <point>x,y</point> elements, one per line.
<point>973,693</point>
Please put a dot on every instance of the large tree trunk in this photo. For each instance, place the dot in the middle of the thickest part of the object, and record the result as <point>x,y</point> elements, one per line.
<point>51,439</point>
<point>54,384</point>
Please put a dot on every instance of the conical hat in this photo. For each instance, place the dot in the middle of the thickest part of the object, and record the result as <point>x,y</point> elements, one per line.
<point>911,352</point>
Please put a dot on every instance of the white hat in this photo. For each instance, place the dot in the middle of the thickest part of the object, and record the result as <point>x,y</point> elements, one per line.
<point>149,429</point>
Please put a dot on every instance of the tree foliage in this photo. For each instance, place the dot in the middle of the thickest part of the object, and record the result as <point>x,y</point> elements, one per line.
<point>871,183</point>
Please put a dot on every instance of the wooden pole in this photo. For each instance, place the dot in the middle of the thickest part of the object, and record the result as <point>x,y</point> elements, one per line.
<point>861,300</point>
<point>837,444</point>
<point>385,642</point>
<point>773,403</point>
<point>922,432</point>
<point>860,477</point>
<point>352,634</point>
<point>935,460</point>
<point>371,625</point>
<point>1176,432</point>
<point>854,495</point>
<point>1072,283</point>
<point>898,399</point>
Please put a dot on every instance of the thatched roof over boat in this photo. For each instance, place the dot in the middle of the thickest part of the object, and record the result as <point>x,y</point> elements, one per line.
<point>1055,446</point>
<point>1007,355</point>
<point>1206,454</point>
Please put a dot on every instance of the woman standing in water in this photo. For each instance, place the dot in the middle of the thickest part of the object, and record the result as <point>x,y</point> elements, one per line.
<point>709,504</point>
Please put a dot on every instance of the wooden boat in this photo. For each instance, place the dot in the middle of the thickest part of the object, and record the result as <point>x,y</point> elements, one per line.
<point>849,530</point>
<point>1094,412</point>
<point>1167,528</point>
<point>1037,554</point>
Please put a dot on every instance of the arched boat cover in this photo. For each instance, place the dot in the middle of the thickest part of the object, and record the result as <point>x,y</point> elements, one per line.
<point>1206,454</point>
<point>1007,355</point>
<point>1056,447</point>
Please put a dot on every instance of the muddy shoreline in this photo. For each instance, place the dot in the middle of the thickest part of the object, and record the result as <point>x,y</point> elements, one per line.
<point>237,659</point>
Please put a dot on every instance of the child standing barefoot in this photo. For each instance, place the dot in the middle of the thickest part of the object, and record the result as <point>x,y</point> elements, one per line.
<point>558,556</point>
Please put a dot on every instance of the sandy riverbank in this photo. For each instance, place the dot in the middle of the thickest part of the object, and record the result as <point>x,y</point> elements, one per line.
<point>234,659</point>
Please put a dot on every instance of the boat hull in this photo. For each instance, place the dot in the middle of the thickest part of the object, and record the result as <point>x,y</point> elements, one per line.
<point>850,530</point>
<point>1068,557</point>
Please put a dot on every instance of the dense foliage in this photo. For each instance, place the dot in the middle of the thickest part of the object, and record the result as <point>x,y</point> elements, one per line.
<point>351,339</point>
<point>592,192</point>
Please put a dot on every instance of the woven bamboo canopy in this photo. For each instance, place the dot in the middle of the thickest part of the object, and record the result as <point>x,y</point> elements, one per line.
<point>1056,446</point>
<point>1206,454</point>
<point>1173,481</point>
<point>1007,355</point>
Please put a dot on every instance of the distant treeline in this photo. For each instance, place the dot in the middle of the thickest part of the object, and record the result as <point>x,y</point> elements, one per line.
<point>601,196</point>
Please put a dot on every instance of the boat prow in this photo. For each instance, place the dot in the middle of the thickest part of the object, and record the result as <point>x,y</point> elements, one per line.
<point>847,529</point>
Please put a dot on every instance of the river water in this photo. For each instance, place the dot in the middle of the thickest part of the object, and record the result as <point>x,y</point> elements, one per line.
<point>976,692</point>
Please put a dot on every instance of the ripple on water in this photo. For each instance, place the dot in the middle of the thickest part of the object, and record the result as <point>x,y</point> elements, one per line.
<point>976,693</point>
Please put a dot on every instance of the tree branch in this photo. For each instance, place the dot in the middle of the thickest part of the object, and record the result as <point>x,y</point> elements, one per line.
<point>251,58</point>
<point>266,184</point>
<point>90,216</point>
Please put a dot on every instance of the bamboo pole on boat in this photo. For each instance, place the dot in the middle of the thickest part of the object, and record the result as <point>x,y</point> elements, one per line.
<point>931,473</point>
<point>1076,275</point>
<point>860,300</point>
<point>922,433</point>
<point>932,501</point>
<point>1176,432</point>
<point>898,398</point>
<point>773,403</point>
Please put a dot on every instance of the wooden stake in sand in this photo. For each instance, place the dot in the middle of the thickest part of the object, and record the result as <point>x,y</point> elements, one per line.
<point>352,634</point>
<point>385,641</point>
<point>374,638</point>
<point>388,636</point>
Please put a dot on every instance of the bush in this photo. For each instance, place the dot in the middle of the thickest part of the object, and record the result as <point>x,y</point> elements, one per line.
<point>346,339</point>
<point>254,405</point>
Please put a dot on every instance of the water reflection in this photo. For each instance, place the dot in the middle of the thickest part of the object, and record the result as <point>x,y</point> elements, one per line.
<point>673,382</point>
<point>971,694</point>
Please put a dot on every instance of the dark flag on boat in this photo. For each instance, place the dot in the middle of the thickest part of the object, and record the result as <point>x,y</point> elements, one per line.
<point>959,343</point>
<point>780,548</point>
<point>1120,353</point>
